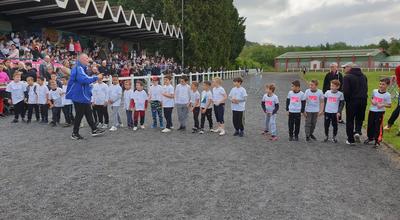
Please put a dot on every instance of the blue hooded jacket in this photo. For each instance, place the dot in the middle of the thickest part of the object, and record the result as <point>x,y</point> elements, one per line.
<point>79,89</point>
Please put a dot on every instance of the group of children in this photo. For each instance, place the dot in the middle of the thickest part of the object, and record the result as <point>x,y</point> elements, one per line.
<point>162,99</point>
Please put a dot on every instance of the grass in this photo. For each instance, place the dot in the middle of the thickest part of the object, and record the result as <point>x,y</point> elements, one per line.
<point>373,82</point>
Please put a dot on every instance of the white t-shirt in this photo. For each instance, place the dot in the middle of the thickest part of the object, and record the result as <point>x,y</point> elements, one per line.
<point>17,91</point>
<point>42,92</point>
<point>295,101</point>
<point>182,94</point>
<point>128,96</point>
<point>333,101</point>
<point>218,94</point>
<point>115,95</point>
<point>205,97</point>
<point>241,95</point>
<point>313,100</point>
<point>270,102</point>
<point>380,98</point>
<point>168,102</point>
<point>155,92</point>
<point>140,98</point>
<point>32,94</point>
<point>194,97</point>
<point>71,47</point>
<point>100,93</point>
<point>55,95</point>
<point>64,100</point>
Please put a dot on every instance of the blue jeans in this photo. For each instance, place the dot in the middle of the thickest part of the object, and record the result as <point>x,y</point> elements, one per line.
<point>270,124</point>
<point>129,118</point>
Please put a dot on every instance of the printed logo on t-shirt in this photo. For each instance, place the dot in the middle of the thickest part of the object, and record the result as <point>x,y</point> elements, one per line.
<point>268,103</point>
<point>332,99</point>
<point>295,99</point>
<point>378,100</point>
<point>313,98</point>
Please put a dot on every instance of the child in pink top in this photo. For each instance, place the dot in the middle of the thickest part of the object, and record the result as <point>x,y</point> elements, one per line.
<point>4,79</point>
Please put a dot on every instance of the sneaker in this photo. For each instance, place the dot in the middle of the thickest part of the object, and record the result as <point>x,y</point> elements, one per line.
<point>313,137</point>
<point>66,125</point>
<point>172,127</point>
<point>113,128</point>
<point>142,127</point>
<point>341,122</point>
<point>326,139</point>
<point>236,133</point>
<point>308,139</point>
<point>241,133</point>
<point>166,130</point>
<point>135,128</point>
<point>273,138</point>
<point>99,125</point>
<point>334,140</point>
<point>105,126</point>
<point>153,126</point>
<point>201,131</point>
<point>290,138</point>
<point>357,138</point>
<point>368,142</point>
<point>97,132</point>
<point>215,130</point>
<point>121,125</point>
<point>76,137</point>
<point>222,133</point>
<point>351,144</point>
<point>181,128</point>
<point>29,121</point>
<point>14,121</point>
<point>194,130</point>
<point>296,138</point>
<point>387,128</point>
<point>376,145</point>
<point>53,124</point>
<point>43,122</point>
<point>23,120</point>
<point>265,133</point>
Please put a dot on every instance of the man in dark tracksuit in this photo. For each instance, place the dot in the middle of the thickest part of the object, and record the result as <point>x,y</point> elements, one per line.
<point>355,90</point>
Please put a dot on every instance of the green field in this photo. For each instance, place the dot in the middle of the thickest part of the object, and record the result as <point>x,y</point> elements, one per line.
<point>373,82</point>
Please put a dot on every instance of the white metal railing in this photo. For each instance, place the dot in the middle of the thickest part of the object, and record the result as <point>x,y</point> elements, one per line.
<point>230,74</point>
<point>327,69</point>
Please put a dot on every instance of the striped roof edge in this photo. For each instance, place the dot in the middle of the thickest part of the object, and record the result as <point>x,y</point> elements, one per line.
<point>330,53</point>
<point>117,13</point>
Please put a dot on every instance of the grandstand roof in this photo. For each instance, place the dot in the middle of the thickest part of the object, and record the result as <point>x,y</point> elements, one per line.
<point>392,59</point>
<point>90,16</point>
<point>331,53</point>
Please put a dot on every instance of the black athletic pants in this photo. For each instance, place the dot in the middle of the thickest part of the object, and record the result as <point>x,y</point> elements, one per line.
<point>102,114</point>
<point>375,126</point>
<point>355,116</point>
<point>208,115</point>
<point>82,109</point>
<point>196,113</point>
<point>56,114</point>
<point>32,107</point>
<point>19,109</point>
<point>331,118</point>
<point>294,124</point>
<point>237,118</point>
<point>168,117</point>
<point>395,114</point>
<point>67,111</point>
<point>44,112</point>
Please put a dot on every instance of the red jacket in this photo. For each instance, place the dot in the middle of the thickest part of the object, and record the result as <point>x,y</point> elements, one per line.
<point>398,76</point>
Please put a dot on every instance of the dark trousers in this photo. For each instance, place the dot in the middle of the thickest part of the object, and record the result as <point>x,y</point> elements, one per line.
<point>208,115</point>
<point>219,111</point>
<point>19,109</point>
<point>375,126</point>
<point>395,114</point>
<point>67,111</point>
<point>101,114</point>
<point>44,112</point>
<point>294,124</point>
<point>129,118</point>
<point>168,117</point>
<point>56,114</point>
<point>82,109</point>
<point>196,113</point>
<point>331,118</point>
<point>136,116</point>
<point>355,116</point>
<point>32,107</point>
<point>95,115</point>
<point>237,118</point>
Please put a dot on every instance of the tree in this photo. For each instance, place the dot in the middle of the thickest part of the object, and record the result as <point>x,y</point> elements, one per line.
<point>384,44</point>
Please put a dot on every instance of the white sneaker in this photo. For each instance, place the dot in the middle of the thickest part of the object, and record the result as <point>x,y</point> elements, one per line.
<point>134,128</point>
<point>172,127</point>
<point>351,144</point>
<point>121,125</point>
<point>81,126</point>
<point>222,133</point>
<point>142,127</point>
<point>105,126</point>
<point>215,130</point>
<point>357,138</point>
<point>166,130</point>
<point>99,125</point>
<point>113,128</point>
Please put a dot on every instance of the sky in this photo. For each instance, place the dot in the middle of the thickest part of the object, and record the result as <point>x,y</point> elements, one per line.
<point>312,22</point>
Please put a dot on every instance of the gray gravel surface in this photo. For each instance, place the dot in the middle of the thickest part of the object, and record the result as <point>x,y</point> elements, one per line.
<point>149,175</point>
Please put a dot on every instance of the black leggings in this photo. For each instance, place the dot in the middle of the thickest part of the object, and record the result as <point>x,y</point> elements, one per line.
<point>168,117</point>
<point>196,112</point>
<point>82,109</point>
<point>102,114</point>
<point>19,109</point>
<point>32,107</point>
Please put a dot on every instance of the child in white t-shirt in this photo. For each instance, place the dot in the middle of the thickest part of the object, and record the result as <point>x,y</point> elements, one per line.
<point>219,98</point>
<point>238,96</point>
<point>334,103</point>
<point>128,99</point>
<point>380,100</point>
<point>314,107</point>
<point>43,99</point>
<point>168,94</point>
<point>206,106</point>
<point>295,104</point>
<point>100,97</point>
<point>115,96</point>
<point>155,94</point>
<point>32,99</point>
<point>140,98</point>
<point>195,105</point>
<point>270,105</point>
<point>55,102</point>
<point>67,103</point>
<point>17,88</point>
<point>182,101</point>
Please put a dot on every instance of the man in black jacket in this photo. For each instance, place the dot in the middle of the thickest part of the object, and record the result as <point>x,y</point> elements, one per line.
<point>355,90</point>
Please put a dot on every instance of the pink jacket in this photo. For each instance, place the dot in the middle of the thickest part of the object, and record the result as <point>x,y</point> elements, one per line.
<point>4,78</point>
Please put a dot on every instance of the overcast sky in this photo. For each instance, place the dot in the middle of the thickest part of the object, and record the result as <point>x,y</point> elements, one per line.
<point>304,22</point>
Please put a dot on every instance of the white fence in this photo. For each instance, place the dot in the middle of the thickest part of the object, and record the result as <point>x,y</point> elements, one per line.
<point>327,69</point>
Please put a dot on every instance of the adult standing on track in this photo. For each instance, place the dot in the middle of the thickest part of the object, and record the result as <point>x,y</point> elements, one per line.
<point>79,91</point>
<point>334,74</point>
<point>396,112</point>
<point>355,90</point>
